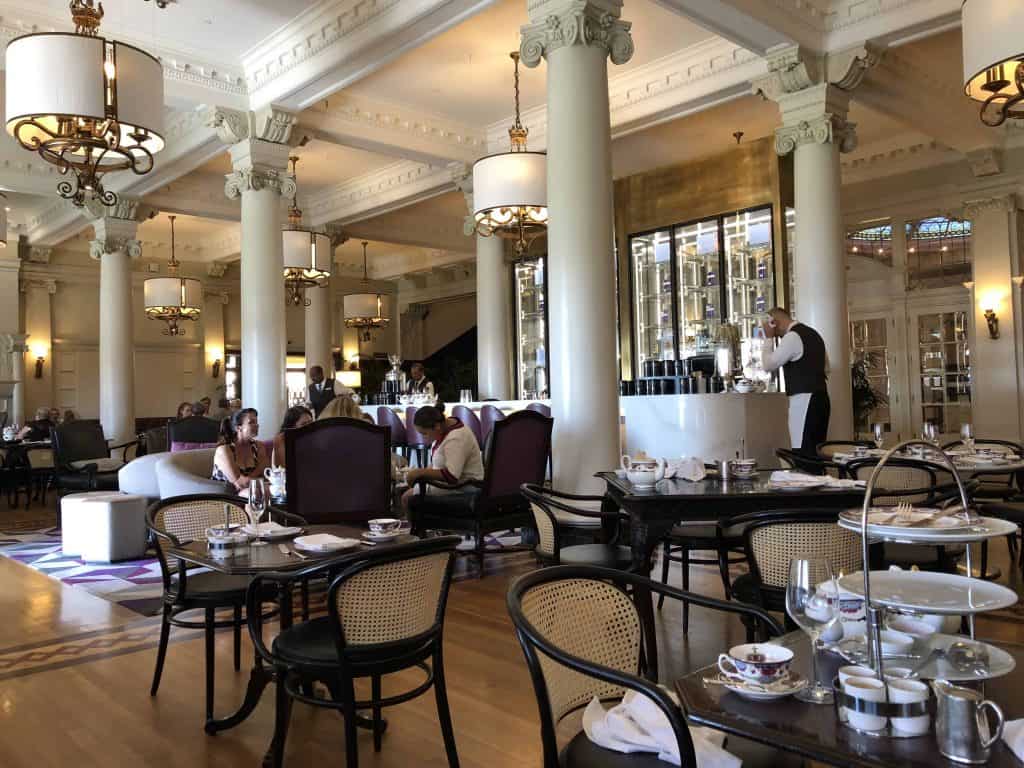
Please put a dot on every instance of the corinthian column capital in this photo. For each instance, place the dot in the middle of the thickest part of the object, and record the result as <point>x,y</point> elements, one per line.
<point>557,23</point>
<point>826,128</point>
<point>255,179</point>
<point>116,226</point>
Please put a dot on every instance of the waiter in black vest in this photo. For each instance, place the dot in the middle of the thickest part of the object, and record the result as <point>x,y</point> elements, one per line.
<point>801,355</point>
<point>321,391</point>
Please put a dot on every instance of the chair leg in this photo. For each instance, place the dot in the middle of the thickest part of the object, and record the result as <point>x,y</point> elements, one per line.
<point>210,619</point>
<point>304,589</point>
<point>479,553</point>
<point>282,718</point>
<point>685,556</point>
<point>161,651</point>
<point>349,711</point>
<point>375,697</point>
<point>444,714</point>
<point>665,549</point>
<point>238,636</point>
<point>723,569</point>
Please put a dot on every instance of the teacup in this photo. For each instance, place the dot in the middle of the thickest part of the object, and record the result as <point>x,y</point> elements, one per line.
<point>757,663</point>
<point>868,689</point>
<point>744,467</point>
<point>381,526</point>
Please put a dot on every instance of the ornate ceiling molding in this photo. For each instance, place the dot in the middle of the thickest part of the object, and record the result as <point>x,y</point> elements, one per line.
<point>558,23</point>
<point>1000,203</point>
<point>37,284</point>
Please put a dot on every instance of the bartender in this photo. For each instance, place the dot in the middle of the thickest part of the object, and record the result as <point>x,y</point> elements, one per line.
<point>801,356</point>
<point>418,381</point>
<point>321,391</point>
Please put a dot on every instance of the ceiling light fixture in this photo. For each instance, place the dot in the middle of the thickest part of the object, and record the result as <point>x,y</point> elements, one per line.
<point>365,311</point>
<point>172,298</point>
<point>307,254</point>
<point>993,56</point>
<point>510,190</point>
<point>88,105</point>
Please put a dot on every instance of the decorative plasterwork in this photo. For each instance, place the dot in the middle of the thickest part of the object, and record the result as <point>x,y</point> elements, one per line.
<point>1000,203</point>
<point>557,23</point>
<point>987,161</point>
<point>38,254</point>
<point>827,128</point>
<point>217,297</point>
<point>337,234</point>
<point>866,165</point>
<point>216,269</point>
<point>255,179</point>
<point>110,243</point>
<point>50,286</point>
<point>270,123</point>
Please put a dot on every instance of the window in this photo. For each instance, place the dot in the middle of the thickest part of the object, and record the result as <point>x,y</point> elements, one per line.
<point>869,348</point>
<point>938,252</point>
<point>233,376</point>
<point>945,370</point>
<point>873,242</point>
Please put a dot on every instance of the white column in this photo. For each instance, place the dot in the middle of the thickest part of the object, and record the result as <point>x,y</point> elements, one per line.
<point>18,345</point>
<point>493,321</point>
<point>115,247</point>
<point>10,337</point>
<point>815,129</point>
<point>259,156</point>
<point>996,390</point>
<point>318,329</point>
<point>576,39</point>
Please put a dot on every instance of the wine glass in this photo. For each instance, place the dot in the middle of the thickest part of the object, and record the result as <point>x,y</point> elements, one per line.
<point>967,437</point>
<point>812,601</point>
<point>257,504</point>
<point>878,430</point>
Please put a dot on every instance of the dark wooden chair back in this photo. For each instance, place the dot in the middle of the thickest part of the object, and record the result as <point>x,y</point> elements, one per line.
<point>339,471</point>
<point>192,429</point>
<point>78,441</point>
<point>517,455</point>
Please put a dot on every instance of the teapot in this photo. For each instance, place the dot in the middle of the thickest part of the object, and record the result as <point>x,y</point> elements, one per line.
<point>276,477</point>
<point>9,433</point>
<point>643,473</point>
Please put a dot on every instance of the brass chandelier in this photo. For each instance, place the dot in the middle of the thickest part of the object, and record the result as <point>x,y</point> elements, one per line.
<point>88,105</point>
<point>993,56</point>
<point>307,254</point>
<point>365,311</point>
<point>510,194</point>
<point>172,298</point>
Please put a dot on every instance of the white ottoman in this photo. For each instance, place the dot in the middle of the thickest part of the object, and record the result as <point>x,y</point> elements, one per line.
<point>103,526</point>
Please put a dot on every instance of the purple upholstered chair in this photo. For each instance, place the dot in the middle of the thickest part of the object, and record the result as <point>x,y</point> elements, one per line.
<point>388,418</point>
<point>489,416</point>
<point>414,440</point>
<point>468,416</point>
<point>543,410</point>
<point>339,471</point>
<point>519,448</point>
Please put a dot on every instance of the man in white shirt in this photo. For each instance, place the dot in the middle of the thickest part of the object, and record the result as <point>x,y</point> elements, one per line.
<point>802,357</point>
<point>418,381</point>
<point>321,391</point>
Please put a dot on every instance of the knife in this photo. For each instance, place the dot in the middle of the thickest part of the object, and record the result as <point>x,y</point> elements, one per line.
<point>285,551</point>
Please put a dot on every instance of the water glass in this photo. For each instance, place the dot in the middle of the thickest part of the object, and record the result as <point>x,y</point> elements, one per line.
<point>967,437</point>
<point>257,505</point>
<point>465,395</point>
<point>878,430</point>
<point>812,602</point>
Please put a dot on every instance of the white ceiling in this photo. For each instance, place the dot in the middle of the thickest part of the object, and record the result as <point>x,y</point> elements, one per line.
<point>465,74</point>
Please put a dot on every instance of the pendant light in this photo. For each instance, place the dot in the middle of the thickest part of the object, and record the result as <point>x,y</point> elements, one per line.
<point>307,254</point>
<point>510,189</point>
<point>365,311</point>
<point>172,298</point>
<point>88,105</point>
<point>993,53</point>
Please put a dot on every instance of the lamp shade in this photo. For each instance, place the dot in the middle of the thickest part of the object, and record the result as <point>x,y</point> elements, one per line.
<point>351,379</point>
<point>510,180</point>
<point>178,295</point>
<point>992,45</point>
<point>363,305</point>
<point>306,251</point>
<point>58,75</point>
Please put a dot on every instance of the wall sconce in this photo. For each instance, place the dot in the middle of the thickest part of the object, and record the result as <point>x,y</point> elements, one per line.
<point>39,352</point>
<point>993,323</point>
<point>39,366</point>
<point>216,368</point>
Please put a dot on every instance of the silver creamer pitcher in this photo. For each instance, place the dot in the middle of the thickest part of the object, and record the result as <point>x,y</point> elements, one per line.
<point>961,724</point>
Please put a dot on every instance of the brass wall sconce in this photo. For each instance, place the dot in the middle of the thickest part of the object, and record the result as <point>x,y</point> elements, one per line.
<point>39,366</point>
<point>216,368</point>
<point>993,323</point>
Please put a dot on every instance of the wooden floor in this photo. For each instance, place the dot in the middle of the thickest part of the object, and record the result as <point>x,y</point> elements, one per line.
<point>75,673</point>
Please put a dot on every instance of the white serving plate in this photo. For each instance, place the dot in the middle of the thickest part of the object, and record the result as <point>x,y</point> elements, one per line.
<point>790,486</point>
<point>272,531</point>
<point>985,528</point>
<point>925,592</point>
<point>324,543</point>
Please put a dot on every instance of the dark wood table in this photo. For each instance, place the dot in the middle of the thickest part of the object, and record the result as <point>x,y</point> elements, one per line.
<point>813,731</point>
<point>253,560</point>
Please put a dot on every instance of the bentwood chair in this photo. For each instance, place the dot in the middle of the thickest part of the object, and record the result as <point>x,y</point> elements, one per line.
<point>773,537</point>
<point>468,417</point>
<point>339,471</point>
<point>172,522</point>
<point>517,453</point>
<point>993,484</point>
<point>793,459</point>
<point>830,448</point>
<point>81,457</point>
<point>556,512</point>
<point>385,614</point>
<point>582,636</point>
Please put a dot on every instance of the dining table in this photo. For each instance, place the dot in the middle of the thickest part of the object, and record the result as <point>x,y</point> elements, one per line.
<point>814,732</point>
<point>254,560</point>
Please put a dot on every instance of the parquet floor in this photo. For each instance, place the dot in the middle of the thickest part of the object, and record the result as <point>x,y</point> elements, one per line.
<point>75,672</point>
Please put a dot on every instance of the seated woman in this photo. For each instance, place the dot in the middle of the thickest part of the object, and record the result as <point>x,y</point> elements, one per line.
<point>184,411</point>
<point>345,406</point>
<point>455,455</point>
<point>39,429</point>
<point>295,417</point>
<point>240,457</point>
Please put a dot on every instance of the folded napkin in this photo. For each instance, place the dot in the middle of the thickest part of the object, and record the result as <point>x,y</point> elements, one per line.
<point>789,476</point>
<point>324,542</point>
<point>687,468</point>
<point>102,464</point>
<point>637,724</point>
<point>271,529</point>
<point>1013,735</point>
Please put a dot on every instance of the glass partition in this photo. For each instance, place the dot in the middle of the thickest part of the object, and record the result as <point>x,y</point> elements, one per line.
<point>698,255</point>
<point>869,346</point>
<point>654,327</point>
<point>531,329</point>
<point>750,270</point>
<point>938,252</point>
<point>945,369</point>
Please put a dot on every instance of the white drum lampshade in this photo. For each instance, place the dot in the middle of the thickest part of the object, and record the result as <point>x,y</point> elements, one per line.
<point>993,50</point>
<point>511,180</point>
<point>182,296</point>
<point>307,255</point>
<point>363,306</point>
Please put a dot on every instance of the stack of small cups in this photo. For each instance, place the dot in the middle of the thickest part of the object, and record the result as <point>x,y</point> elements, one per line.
<point>861,683</point>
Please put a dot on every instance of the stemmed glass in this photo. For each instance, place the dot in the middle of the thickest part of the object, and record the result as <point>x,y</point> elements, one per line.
<point>878,430</point>
<point>812,601</point>
<point>930,432</point>
<point>257,504</point>
<point>967,437</point>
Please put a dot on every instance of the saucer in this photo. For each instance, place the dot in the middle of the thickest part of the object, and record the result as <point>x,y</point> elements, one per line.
<point>780,689</point>
<point>370,536</point>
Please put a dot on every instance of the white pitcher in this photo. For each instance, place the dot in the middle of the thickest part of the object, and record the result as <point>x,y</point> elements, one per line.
<point>643,473</point>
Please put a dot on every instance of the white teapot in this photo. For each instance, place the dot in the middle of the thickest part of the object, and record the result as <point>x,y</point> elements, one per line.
<point>643,473</point>
<point>276,477</point>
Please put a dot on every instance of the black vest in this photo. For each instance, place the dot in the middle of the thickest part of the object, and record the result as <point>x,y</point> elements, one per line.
<point>415,387</point>
<point>807,375</point>
<point>319,400</point>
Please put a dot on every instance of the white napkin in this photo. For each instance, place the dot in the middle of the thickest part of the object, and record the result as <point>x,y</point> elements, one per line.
<point>1013,735</point>
<point>271,529</point>
<point>637,724</point>
<point>789,476</point>
<point>687,468</point>
<point>324,542</point>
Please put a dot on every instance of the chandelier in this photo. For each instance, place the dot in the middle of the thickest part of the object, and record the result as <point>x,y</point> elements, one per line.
<point>307,254</point>
<point>172,298</point>
<point>994,58</point>
<point>86,104</point>
<point>365,311</point>
<point>510,190</point>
